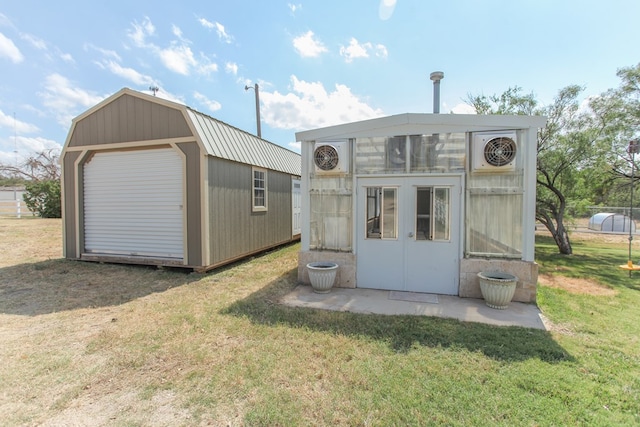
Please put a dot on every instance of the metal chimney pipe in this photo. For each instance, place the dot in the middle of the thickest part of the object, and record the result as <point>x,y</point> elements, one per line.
<point>436,76</point>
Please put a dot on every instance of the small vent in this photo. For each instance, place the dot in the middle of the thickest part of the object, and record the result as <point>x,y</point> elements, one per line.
<point>326,157</point>
<point>500,151</point>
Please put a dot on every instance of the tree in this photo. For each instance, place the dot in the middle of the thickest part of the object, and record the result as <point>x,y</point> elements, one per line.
<point>40,166</point>
<point>41,172</point>
<point>43,198</point>
<point>618,112</point>
<point>565,148</point>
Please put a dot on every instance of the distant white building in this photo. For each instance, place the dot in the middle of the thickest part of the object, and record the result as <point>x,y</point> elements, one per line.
<point>12,193</point>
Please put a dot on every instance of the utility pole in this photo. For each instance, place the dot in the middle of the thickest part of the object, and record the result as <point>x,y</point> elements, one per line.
<point>257,91</point>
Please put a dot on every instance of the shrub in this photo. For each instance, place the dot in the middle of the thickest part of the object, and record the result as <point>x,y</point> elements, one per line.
<point>43,198</point>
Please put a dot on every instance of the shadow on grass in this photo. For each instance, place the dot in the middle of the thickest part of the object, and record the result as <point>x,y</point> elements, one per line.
<point>594,260</point>
<point>402,332</point>
<point>59,285</point>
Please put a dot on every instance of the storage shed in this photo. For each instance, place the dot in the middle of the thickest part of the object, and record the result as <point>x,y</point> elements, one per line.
<point>612,223</point>
<point>149,181</point>
<point>422,202</point>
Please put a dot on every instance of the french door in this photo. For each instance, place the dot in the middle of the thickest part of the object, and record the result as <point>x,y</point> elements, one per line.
<point>408,235</point>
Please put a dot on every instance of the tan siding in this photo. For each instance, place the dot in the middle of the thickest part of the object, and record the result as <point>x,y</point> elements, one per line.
<point>235,229</point>
<point>69,204</point>
<point>194,209</point>
<point>127,119</point>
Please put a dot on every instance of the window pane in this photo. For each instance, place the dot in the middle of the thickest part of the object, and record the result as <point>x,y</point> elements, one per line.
<point>441,214</point>
<point>382,217</point>
<point>373,212</point>
<point>389,214</point>
<point>423,213</point>
<point>259,189</point>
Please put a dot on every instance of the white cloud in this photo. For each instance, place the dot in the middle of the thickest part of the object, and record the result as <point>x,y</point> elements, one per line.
<point>28,146</point>
<point>462,108</point>
<point>207,24</point>
<point>231,68</point>
<point>9,50</point>
<point>220,30</point>
<point>106,52</point>
<point>295,146</point>
<point>15,125</point>
<point>307,46</point>
<point>36,42</point>
<point>294,7</point>
<point>17,150</point>
<point>355,50</point>
<point>176,31</point>
<point>362,50</point>
<point>309,106</point>
<point>126,73</point>
<point>65,99</point>
<point>170,96</point>
<point>381,51</point>
<point>5,21</point>
<point>385,11</point>
<point>222,33</point>
<point>178,58</point>
<point>66,57</point>
<point>209,103</point>
<point>141,31</point>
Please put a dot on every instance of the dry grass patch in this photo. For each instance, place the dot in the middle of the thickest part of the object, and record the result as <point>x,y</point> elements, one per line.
<point>116,345</point>
<point>574,285</point>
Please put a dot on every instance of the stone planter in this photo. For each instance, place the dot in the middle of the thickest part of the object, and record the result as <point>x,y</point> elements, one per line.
<point>497,288</point>
<point>322,275</point>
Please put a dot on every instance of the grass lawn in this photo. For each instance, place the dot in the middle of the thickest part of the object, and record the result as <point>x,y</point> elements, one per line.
<point>98,344</point>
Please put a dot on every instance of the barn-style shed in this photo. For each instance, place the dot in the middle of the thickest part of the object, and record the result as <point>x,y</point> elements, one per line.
<point>422,202</point>
<point>149,181</point>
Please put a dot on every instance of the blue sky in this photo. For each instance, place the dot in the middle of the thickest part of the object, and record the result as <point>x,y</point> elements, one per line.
<point>317,63</point>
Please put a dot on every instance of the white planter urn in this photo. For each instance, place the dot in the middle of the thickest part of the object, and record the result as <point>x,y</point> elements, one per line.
<point>322,275</point>
<point>497,288</point>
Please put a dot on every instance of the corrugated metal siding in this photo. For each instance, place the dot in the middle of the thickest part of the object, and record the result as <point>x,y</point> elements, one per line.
<point>230,143</point>
<point>133,204</point>
<point>235,229</point>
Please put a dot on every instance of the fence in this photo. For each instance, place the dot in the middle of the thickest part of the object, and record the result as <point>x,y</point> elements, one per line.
<point>16,208</point>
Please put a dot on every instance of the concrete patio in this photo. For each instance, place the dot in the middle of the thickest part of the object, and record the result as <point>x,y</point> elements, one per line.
<point>411,303</point>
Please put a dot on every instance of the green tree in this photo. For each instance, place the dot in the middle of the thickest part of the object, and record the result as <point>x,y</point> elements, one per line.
<point>618,112</point>
<point>565,150</point>
<point>43,198</point>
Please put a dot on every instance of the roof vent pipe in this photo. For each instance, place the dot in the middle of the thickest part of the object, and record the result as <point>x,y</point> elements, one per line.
<point>436,76</point>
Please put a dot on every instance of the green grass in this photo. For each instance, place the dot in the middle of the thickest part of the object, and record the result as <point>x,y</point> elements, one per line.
<point>118,345</point>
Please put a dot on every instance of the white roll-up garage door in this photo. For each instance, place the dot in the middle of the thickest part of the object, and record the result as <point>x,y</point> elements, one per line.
<point>133,204</point>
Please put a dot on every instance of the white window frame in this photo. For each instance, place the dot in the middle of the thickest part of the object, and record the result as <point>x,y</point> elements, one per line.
<point>256,207</point>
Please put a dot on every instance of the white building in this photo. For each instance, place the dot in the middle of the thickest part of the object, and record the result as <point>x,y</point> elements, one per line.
<point>422,202</point>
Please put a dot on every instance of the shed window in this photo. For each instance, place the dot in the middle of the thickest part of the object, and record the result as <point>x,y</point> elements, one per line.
<point>259,190</point>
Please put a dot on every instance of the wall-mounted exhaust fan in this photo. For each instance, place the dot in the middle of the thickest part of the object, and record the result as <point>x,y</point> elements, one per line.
<point>494,152</point>
<point>331,157</point>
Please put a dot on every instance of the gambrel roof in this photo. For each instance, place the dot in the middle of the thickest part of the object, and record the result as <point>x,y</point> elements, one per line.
<point>130,116</point>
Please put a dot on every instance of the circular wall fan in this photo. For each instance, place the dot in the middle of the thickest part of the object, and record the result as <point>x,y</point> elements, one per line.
<point>326,157</point>
<point>500,151</point>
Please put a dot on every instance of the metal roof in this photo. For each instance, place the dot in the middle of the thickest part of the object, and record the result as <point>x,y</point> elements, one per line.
<point>230,143</point>
<point>416,124</point>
